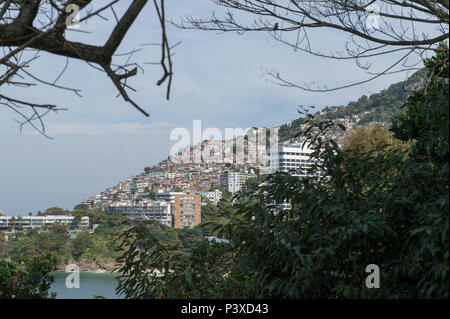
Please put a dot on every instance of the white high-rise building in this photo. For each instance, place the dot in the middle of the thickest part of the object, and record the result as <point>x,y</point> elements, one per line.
<point>295,156</point>
<point>286,158</point>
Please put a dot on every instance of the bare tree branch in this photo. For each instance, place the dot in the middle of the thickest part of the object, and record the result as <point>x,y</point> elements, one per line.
<point>374,28</point>
<point>41,26</point>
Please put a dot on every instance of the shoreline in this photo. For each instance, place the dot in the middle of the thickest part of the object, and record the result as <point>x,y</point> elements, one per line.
<point>94,267</point>
<point>88,266</point>
<point>97,271</point>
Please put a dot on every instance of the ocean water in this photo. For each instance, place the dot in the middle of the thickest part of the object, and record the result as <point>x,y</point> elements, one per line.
<point>91,285</point>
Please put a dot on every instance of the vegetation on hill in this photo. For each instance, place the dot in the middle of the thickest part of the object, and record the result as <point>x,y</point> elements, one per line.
<point>364,140</point>
<point>378,107</point>
<point>66,245</point>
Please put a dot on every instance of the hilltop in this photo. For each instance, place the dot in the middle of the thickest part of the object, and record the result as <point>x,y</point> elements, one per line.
<point>377,108</point>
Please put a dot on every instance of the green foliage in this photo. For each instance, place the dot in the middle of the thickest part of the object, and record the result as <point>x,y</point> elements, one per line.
<point>27,279</point>
<point>56,240</point>
<point>189,237</point>
<point>377,139</point>
<point>225,193</point>
<point>95,216</point>
<point>3,246</point>
<point>75,222</point>
<point>156,269</point>
<point>58,229</point>
<point>99,248</point>
<point>252,183</point>
<point>426,117</point>
<point>216,215</point>
<point>81,206</point>
<point>56,211</point>
<point>80,244</point>
<point>32,244</point>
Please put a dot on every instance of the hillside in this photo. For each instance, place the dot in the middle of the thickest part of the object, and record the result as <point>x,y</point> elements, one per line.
<point>378,107</point>
<point>168,176</point>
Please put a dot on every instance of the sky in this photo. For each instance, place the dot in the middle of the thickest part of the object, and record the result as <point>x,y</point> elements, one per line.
<point>218,79</point>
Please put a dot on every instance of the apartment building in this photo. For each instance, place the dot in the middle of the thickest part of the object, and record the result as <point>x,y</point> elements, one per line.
<point>167,196</point>
<point>187,212</point>
<point>234,181</point>
<point>31,222</point>
<point>160,211</point>
<point>213,196</point>
<point>295,156</point>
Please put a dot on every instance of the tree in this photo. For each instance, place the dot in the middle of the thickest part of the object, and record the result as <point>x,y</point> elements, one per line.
<point>30,27</point>
<point>95,216</point>
<point>75,222</point>
<point>193,275</point>
<point>252,183</point>
<point>155,185</point>
<point>27,279</point>
<point>225,193</point>
<point>364,140</point>
<point>216,215</point>
<point>58,229</point>
<point>55,211</point>
<point>80,244</point>
<point>81,206</point>
<point>4,249</point>
<point>374,28</point>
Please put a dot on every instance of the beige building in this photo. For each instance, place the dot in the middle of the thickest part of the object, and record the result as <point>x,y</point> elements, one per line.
<point>187,212</point>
